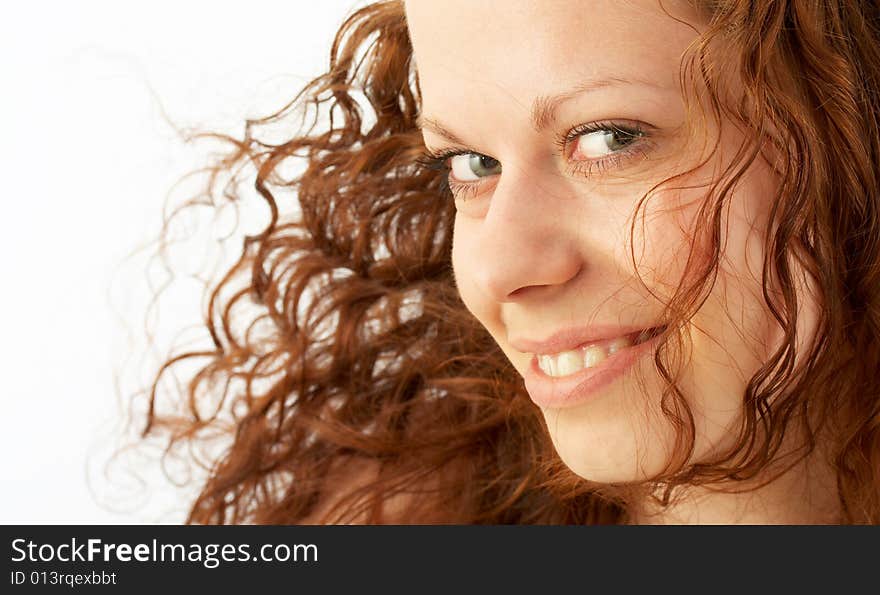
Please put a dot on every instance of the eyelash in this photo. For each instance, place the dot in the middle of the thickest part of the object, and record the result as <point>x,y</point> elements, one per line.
<point>640,145</point>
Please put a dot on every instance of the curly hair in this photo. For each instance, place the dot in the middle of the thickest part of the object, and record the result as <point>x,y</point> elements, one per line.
<point>355,386</point>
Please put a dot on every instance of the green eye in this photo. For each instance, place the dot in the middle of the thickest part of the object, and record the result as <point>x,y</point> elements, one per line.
<point>600,143</point>
<point>469,167</point>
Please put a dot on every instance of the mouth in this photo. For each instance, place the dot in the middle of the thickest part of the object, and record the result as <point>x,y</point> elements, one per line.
<point>572,378</point>
<point>590,355</point>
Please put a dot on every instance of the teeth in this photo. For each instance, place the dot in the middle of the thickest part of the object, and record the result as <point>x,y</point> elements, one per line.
<point>547,363</point>
<point>594,355</point>
<point>569,362</point>
<point>643,336</point>
<point>618,344</point>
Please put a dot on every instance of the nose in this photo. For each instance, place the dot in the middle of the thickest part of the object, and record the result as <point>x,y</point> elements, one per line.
<point>528,237</point>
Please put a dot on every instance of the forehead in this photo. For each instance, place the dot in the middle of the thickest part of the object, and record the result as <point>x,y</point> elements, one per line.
<point>520,49</point>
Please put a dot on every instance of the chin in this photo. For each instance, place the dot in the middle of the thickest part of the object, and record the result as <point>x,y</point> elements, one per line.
<point>624,450</point>
<point>619,435</point>
<point>624,440</point>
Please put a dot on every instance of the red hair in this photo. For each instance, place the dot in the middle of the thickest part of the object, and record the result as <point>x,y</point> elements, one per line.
<point>356,387</point>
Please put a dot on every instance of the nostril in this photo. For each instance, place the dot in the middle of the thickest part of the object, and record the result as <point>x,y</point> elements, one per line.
<point>524,291</point>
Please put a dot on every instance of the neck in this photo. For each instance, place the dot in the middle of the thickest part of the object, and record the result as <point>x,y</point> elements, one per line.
<point>806,494</point>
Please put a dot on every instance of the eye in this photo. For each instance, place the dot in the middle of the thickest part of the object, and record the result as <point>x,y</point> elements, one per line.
<point>470,167</point>
<point>595,144</point>
<point>588,150</point>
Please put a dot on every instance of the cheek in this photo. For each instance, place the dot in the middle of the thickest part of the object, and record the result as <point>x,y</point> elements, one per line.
<point>734,332</point>
<point>663,241</point>
<point>747,324</point>
<point>679,244</point>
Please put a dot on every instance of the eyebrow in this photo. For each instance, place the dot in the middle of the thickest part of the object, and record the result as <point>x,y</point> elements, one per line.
<point>544,107</point>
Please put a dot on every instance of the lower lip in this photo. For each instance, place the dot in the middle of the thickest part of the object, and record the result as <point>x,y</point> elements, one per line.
<point>549,392</point>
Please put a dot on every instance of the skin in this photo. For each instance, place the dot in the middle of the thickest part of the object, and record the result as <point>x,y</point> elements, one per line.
<point>541,241</point>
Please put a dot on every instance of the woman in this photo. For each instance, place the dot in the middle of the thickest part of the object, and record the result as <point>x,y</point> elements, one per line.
<point>606,262</point>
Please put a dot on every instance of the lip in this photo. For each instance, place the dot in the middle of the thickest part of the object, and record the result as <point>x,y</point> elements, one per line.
<point>572,338</point>
<point>550,392</point>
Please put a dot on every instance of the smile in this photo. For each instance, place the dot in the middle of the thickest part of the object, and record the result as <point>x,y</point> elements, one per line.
<point>572,380</point>
<point>590,355</point>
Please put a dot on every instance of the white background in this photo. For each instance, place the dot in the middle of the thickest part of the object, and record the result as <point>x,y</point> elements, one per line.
<point>87,159</point>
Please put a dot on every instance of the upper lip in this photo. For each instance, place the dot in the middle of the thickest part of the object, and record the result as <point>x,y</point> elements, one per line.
<point>570,338</point>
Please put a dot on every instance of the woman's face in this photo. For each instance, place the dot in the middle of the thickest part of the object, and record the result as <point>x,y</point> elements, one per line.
<point>562,115</point>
